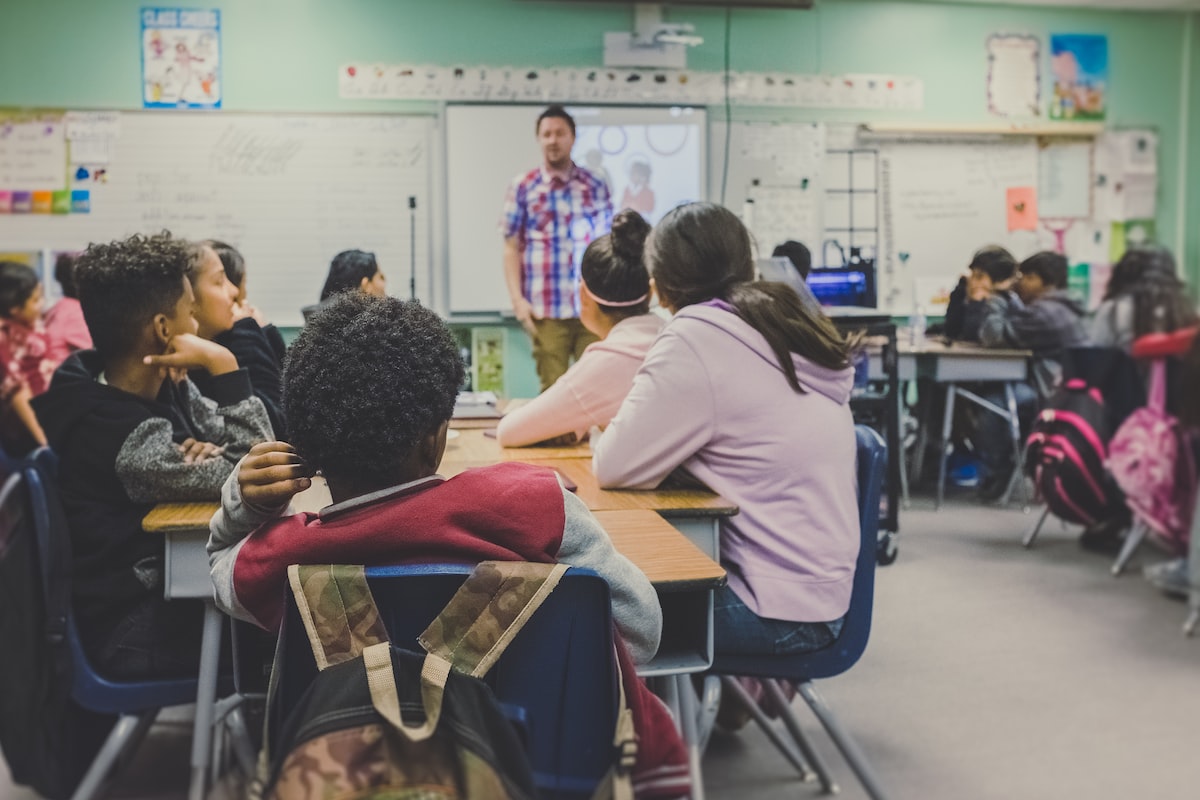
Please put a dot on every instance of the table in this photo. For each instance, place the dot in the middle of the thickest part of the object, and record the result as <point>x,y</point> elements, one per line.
<point>950,364</point>
<point>473,445</point>
<point>681,573</point>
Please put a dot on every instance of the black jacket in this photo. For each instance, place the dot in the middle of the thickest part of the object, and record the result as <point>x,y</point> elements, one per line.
<point>260,352</point>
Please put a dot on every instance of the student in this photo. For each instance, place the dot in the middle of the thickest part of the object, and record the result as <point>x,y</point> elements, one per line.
<point>798,254</point>
<point>235,271</point>
<point>127,438</point>
<point>1144,295</point>
<point>1042,317</point>
<point>217,319</point>
<point>747,390</point>
<point>614,302</point>
<point>369,388</point>
<point>350,269</point>
<point>990,277</point>
<point>24,357</point>
<point>66,330</point>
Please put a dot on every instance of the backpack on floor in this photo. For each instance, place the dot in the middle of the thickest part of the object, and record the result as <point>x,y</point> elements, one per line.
<point>1150,458</point>
<point>347,735</point>
<point>1066,451</point>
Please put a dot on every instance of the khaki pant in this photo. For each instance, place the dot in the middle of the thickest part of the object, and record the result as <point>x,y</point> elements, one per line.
<point>555,343</point>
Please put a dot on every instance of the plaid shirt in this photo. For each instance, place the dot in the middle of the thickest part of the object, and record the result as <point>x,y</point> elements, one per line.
<point>554,220</point>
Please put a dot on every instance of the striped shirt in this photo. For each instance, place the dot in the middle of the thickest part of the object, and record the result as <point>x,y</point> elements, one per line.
<point>554,219</point>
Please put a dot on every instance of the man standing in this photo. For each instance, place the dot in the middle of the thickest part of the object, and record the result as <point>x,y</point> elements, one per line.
<point>550,216</point>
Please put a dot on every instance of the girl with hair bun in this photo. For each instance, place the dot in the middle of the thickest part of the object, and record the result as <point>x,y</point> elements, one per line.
<point>614,297</point>
<point>747,390</point>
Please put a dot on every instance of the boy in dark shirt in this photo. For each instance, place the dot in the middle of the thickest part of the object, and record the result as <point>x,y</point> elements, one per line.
<point>131,431</point>
<point>1042,317</point>
<point>991,274</point>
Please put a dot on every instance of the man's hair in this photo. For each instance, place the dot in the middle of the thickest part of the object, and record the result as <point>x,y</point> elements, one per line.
<point>1050,267</point>
<point>124,284</point>
<point>347,270</point>
<point>231,260</point>
<point>365,380</point>
<point>996,262</point>
<point>64,273</point>
<point>798,254</point>
<point>17,283</point>
<point>555,111</point>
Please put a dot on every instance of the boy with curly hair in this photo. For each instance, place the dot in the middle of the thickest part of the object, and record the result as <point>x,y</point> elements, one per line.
<point>131,431</point>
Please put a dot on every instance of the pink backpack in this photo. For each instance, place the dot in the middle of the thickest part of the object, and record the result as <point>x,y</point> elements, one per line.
<point>1150,458</point>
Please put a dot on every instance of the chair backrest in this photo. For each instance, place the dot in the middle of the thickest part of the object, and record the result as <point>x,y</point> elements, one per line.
<point>856,629</point>
<point>556,681</point>
<point>89,689</point>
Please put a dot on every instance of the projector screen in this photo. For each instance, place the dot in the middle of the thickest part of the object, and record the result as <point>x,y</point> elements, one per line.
<point>651,157</point>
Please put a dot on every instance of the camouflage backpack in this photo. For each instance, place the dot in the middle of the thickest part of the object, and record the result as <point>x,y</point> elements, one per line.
<point>346,736</point>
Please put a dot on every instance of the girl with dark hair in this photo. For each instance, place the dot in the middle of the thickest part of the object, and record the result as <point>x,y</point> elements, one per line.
<point>350,269</point>
<point>747,390</point>
<point>1144,295</point>
<point>614,301</point>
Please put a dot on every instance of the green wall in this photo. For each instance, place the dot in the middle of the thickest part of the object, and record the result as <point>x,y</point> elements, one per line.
<point>283,55</point>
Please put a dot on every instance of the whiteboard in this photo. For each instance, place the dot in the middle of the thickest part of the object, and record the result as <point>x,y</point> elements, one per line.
<point>942,201</point>
<point>288,190</point>
<point>487,146</point>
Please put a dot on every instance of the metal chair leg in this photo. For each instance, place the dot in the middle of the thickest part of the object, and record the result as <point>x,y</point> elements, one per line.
<point>128,731</point>
<point>687,716</point>
<point>775,692</point>
<point>734,689</point>
<point>710,703</point>
<point>845,743</point>
<point>1032,533</point>
<point>1014,427</point>
<point>1192,621</point>
<point>947,428</point>
<point>1132,539</point>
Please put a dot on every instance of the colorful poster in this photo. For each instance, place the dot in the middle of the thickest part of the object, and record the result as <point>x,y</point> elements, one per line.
<point>1079,64</point>
<point>181,58</point>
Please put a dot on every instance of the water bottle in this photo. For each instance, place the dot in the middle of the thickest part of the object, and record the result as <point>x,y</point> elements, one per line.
<point>916,329</point>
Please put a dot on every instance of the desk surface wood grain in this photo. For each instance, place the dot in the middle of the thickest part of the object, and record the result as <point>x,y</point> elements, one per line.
<point>473,446</point>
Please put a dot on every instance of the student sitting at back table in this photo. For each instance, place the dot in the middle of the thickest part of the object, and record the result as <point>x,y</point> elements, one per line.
<point>798,254</point>
<point>350,269</point>
<point>128,437</point>
<point>235,271</point>
<point>614,302</point>
<point>66,330</point>
<point>747,389</point>
<point>1044,318</point>
<point>1144,295</point>
<point>369,387</point>
<point>989,277</point>
<point>217,320</point>
<point>24,357</point>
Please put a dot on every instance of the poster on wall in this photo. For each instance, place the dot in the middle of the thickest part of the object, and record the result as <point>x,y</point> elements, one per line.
<point>181,58</point>
<point>1079,66</point>
<point>1014,78</point>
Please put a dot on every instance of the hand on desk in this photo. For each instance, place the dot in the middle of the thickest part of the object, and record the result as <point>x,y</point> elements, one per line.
<point>195,452</point>
<point>271,474</point>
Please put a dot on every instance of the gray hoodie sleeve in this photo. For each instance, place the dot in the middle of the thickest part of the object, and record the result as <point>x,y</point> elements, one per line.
<point>234,521</point>
<point>150,464</point>
<point>634,602</point>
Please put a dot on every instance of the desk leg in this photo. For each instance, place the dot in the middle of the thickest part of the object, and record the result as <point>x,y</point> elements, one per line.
<point>947,428</point>
<point>206,696</point>
<point>900,443</point>
<point>687,728</point>
<point>1014,427</point>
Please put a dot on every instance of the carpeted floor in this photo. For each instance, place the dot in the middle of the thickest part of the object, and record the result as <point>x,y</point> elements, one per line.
<point>993,673</point>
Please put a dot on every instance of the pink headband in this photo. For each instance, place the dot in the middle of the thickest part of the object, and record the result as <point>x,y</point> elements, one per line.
<point>613,303</point>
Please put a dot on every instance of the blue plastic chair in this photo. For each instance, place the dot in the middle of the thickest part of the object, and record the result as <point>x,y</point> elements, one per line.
<point>802,670</point>
<point>136,704</point>
<point>556,681</point>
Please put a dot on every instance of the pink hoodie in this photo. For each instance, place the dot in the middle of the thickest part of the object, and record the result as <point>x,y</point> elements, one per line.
<point>66,330</point>
<point>590,392</point>
<point>712,398</point>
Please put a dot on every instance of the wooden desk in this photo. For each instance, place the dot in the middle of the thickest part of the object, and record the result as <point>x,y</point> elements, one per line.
<point>474,447</point>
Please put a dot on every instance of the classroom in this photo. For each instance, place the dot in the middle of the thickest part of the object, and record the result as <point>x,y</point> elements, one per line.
<point>397,225</point>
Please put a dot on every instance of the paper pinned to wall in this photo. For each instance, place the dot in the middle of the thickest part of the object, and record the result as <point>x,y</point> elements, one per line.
<point>1126,182</point>
<point>1022,208</point>
<point>792,153</point>
<point>33,153</point>
<point>1065,180</point>
<point>1014,77</point>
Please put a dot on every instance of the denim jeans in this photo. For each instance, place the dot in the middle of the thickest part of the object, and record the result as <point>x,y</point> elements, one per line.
<point>739,631</point>
<point>156,639</point>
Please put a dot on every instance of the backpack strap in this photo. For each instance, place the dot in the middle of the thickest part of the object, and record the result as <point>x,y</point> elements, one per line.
<point>338,611</point>
<point>1158,385</point>
<point>487,611</point>
<point>386,697</point>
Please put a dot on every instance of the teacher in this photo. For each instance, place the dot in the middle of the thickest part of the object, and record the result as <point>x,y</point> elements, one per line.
<point>550,215</point>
